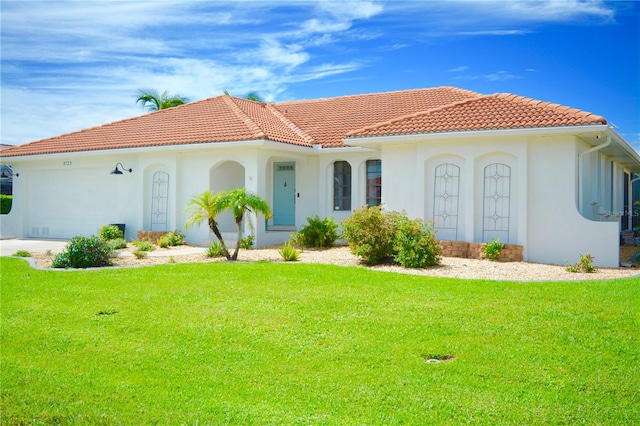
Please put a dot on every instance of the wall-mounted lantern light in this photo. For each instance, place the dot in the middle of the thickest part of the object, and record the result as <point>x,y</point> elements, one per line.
<point>117,171</point>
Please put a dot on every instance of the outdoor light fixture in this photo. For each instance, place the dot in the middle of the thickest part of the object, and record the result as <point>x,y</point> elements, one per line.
<point>117,171</point>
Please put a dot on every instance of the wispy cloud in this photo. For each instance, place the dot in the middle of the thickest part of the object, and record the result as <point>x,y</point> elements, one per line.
<point>84,60</point>
<point>459,69</point>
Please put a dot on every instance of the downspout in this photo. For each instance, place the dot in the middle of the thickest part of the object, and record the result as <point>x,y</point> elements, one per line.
<point>630,206</point>
<point>580,171</point>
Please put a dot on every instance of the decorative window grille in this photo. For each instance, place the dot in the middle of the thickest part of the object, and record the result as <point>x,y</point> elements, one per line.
<point>497,202</point>
<point>159,201</point>
<point>446,190</point>
<point>341,185</point>
<point>374,183</point>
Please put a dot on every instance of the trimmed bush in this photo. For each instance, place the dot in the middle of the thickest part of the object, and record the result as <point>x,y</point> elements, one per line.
<point>318,233</point>
<point>22,253</point>
<point>5,203</point>
<point>110,232</point>
<point>84,252</point>
<point>369,234</point>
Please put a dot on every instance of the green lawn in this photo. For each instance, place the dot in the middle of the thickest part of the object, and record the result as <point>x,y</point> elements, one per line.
<point>312,344</point>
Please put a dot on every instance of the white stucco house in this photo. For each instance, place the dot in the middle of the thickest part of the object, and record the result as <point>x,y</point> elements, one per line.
<point>556,180</point>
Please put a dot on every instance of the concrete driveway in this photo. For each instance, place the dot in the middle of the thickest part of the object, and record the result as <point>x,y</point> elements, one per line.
<point>10,246</point>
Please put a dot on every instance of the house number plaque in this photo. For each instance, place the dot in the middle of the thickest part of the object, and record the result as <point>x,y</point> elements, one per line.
<point>66,163</point>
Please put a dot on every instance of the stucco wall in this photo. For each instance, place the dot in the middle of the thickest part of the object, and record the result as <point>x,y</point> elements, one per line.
<point>558,233</point>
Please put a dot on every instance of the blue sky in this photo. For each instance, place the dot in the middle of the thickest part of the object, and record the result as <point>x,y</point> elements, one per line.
<point>75,64</point>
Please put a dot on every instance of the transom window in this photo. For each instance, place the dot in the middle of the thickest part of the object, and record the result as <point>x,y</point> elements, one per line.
<point>374,183</point>
<point>341,185</point>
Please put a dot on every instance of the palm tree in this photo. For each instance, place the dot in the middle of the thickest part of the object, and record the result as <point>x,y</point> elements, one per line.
<point>251,96</point>
<point>153,101</point>
<point>207,206</point>
<point>254,96</point>
<point>239,201</point>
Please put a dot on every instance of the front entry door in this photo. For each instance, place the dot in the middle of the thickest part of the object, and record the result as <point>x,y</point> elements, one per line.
<point>284,194</point>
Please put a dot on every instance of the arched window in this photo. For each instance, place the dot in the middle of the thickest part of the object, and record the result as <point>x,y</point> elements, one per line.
<point>341,185</point>
<point>497,202</point>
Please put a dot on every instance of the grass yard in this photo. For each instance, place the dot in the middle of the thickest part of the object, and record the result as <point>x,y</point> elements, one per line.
<point>263,343</point>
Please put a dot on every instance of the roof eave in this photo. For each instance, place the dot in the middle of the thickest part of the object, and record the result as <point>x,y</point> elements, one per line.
<point>530,131</point>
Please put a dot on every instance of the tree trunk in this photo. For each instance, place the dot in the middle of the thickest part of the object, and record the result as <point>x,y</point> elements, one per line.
<point>235,253</point>
<point>213,225</point>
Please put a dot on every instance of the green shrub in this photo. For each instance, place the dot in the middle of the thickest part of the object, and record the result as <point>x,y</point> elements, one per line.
<point>289,253</point>
<point>163,242</point>
<point>585,264</point>
<point>22,253</point>
<point>110,232</point>
<point>215,250</point>
<point>318,233</point>
<point>171,239</point>
<point>5,203</point>
<point>140,254</point>
<point>415,244</point>
<point>117,244</point>
<point>144,245</point>
<point>493,249</point>
<point>370,234</point>
<point>247,242</point>
<point>84,252</point>
<point>175,238</point>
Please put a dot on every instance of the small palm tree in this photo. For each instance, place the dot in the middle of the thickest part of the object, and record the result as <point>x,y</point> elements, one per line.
<point>207,206</point>
<point>239,201</point>
<point>153,101</point>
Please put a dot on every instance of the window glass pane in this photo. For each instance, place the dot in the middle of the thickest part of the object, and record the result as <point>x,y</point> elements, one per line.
<point>341,185</point>
<point>374,182</point>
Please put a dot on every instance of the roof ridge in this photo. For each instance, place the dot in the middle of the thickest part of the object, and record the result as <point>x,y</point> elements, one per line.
<point>549,105</point>
<point>290,124</point>
<point>251,125</point>
<point>416,114</point>
<point>357,95</point>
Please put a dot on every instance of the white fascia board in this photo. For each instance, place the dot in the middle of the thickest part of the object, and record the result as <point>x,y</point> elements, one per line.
<point>624,145</point>
<point>420,137</point>
<point>260,143</point>
<point>347,149</point>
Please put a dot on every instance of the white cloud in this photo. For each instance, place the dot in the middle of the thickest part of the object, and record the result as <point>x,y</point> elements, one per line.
<point>459,69</point>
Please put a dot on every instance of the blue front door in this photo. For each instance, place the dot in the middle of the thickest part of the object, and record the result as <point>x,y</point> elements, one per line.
<point>284,194</point>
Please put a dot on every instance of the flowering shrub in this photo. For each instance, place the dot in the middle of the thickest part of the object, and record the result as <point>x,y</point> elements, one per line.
<point>369,234</point>
<point>415,244</point>
<point>376,236</point>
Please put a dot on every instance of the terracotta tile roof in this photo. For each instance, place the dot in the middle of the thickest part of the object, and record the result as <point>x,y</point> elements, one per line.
<point>329,120</point>
<point>319,121</point>
<point>493,112</point>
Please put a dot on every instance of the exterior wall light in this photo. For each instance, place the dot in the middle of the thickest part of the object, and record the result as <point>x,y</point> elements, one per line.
<point>117,171</point>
